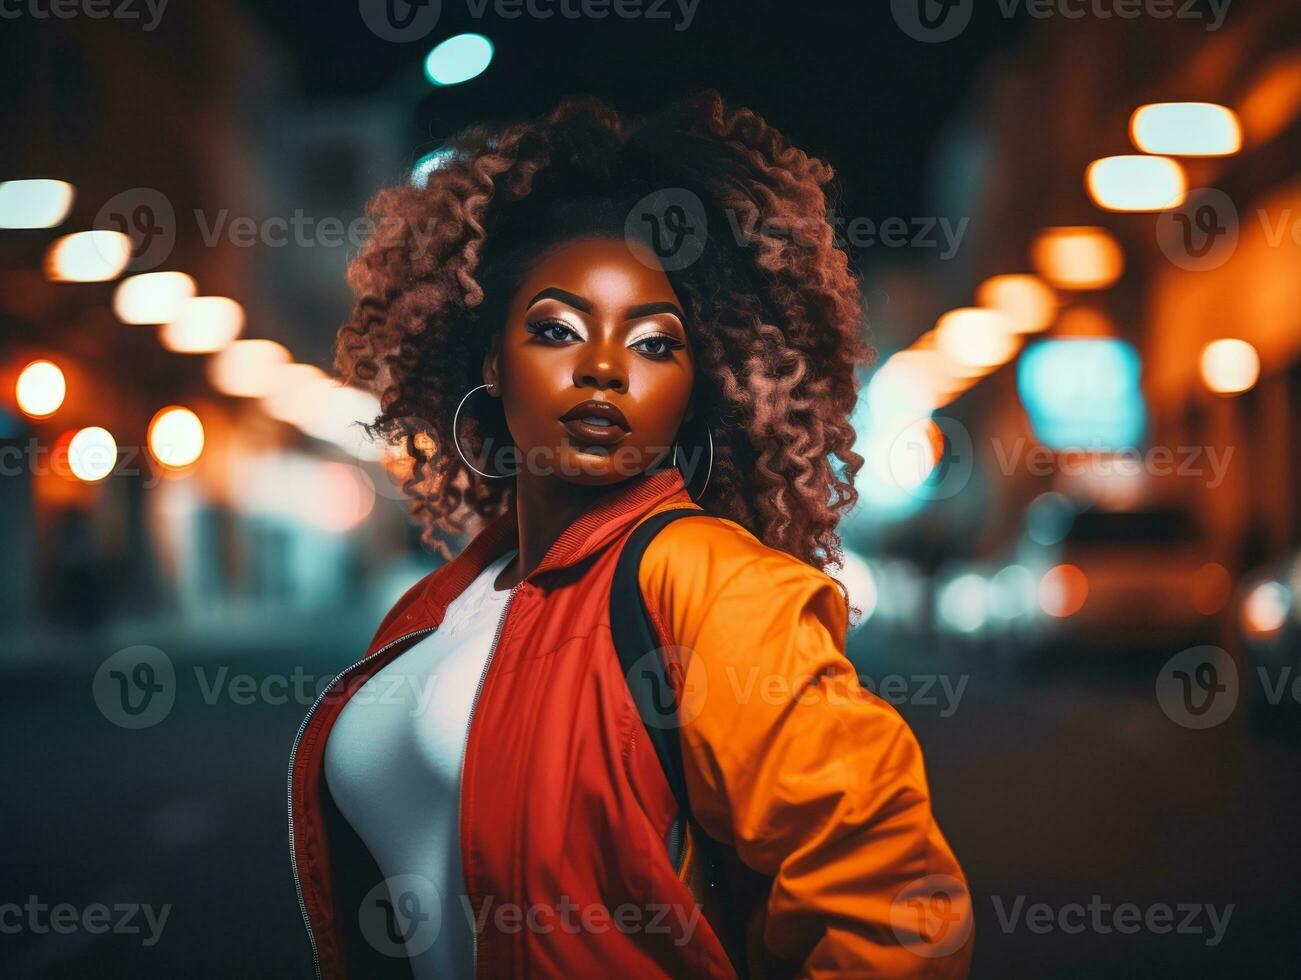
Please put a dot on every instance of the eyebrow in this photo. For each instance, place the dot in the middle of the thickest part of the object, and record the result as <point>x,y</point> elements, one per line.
<point>578,303</point>
<point>650,309</point>
<point>565,296</point>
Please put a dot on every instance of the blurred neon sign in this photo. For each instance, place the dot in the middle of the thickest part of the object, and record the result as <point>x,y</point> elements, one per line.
<point>1083,393</point>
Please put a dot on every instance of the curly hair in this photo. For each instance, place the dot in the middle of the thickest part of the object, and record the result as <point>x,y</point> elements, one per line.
<point>773,309</point>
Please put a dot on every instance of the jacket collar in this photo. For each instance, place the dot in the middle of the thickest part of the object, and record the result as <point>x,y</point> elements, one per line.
<point>596,527</point>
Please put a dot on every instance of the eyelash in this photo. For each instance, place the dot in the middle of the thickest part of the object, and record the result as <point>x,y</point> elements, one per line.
<point>540,329</point>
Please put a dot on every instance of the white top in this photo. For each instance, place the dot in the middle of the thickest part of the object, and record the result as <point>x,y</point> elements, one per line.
<point>393,765</point>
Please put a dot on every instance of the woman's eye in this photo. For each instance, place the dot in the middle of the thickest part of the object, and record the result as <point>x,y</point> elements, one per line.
<point>660,347</point>
<point>553,331</point>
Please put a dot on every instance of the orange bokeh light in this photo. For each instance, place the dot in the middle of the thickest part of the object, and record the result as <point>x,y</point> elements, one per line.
<point>1078,257</point>
<point>1062,591</point>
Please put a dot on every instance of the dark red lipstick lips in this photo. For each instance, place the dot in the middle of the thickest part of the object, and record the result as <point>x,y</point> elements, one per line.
<point>596,423</point>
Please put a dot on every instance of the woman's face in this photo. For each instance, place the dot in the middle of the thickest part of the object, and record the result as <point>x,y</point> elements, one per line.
<point>593,365</point>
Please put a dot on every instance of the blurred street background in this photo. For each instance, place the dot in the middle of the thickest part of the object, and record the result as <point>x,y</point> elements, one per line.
<point>1078,543</point>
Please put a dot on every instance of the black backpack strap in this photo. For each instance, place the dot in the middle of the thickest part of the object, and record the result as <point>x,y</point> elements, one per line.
<point>638,649</point>
<point>737,891</point>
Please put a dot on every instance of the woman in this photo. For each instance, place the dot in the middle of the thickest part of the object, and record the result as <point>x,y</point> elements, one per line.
<point>574,308</point>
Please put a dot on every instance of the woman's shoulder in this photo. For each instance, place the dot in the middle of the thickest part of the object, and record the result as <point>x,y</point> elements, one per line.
<point>705,536</point>
<point>705,555</point>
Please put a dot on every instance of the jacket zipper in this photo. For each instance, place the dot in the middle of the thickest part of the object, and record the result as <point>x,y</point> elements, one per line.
<point>293,755</point>
<point>465,748</point>
<point>675,842</point>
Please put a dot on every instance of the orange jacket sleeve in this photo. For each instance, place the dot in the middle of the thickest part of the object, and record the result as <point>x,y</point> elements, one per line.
<point>815,781</point>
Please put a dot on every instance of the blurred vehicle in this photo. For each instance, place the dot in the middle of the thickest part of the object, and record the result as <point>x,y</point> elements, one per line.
<point>1133,582</point>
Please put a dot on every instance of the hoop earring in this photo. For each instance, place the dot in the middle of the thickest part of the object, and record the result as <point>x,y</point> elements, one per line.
<point>708,471</point>
<point>457,442</point>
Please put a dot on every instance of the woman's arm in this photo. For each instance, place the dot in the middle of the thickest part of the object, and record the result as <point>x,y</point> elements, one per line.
<point>812,779</point>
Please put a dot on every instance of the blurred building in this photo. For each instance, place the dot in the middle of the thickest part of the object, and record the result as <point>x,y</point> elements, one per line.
<point>1171,455</point>
<point>193,140</point>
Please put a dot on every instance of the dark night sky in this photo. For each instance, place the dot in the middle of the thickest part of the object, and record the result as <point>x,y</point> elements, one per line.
<point>838,78</point>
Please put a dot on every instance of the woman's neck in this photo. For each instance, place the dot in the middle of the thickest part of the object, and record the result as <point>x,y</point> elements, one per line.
<point>545,506</point>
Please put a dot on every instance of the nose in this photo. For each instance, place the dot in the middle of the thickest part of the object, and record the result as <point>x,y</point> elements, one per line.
<point>601,368</point>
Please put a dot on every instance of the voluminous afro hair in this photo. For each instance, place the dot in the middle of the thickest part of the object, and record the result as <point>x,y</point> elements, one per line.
<point>773,311</point>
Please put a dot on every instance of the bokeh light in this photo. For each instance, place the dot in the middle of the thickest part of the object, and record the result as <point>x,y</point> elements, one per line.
<point>205,325</point>
<point>1027,301</point>
<point>1083,393</point>
<point>912,383</point>
<point>176,437</point>
<point>860,582</point>
<point>1077,257</point>
<point>247,368</point>
<point>963,603</point>
<point>41,389</point>
<point>342,496</point>
<point>1012,592</point>
<point>1187,129</point>
<point>1229,366</point>
<point>288,400</point>
<point>335,413</point>
<point>153,297</point>
<point>1137,183</point>
<point>92,454</point>
<point>88,256</point>
<point>458,59</point>
<point>1063,591</point>
<point>36,203</point>
<point>914,452</point>
<point>1265,608</point>
<point>976,338</point>
<point>1049,517</point>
